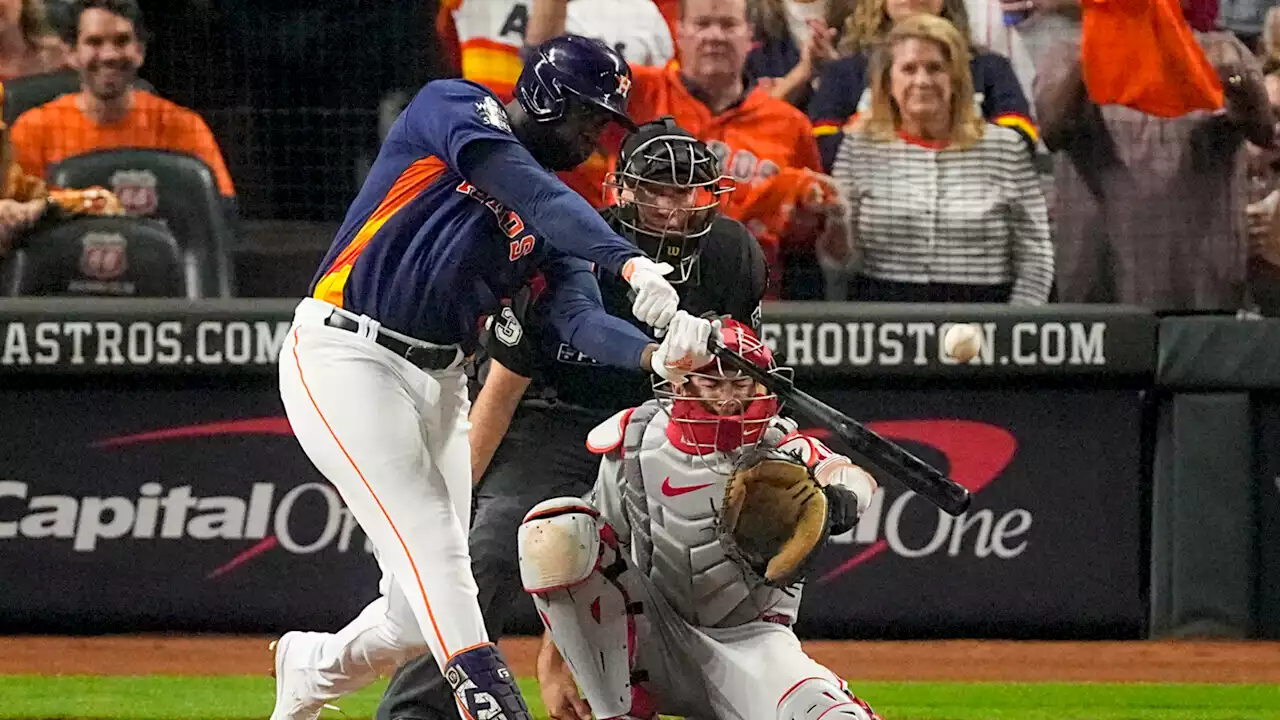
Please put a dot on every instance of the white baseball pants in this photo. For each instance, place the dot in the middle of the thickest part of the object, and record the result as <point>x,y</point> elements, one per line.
<point>392,439</point>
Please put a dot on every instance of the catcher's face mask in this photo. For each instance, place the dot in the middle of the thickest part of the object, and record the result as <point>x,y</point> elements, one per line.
<point>668,188</point>
<point>721,395</point>
<point>716,410</point>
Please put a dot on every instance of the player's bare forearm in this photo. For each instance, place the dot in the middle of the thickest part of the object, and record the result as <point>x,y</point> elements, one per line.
<point>491,415</point>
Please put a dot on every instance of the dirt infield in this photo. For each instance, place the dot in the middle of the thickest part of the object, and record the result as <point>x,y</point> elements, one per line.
<point>963,660</point>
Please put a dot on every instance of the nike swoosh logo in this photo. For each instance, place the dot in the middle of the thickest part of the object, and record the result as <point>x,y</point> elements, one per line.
<point>670,491</point>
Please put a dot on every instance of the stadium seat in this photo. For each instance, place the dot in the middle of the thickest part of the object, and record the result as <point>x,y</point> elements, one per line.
<point>176,188</point>
<point>97,256</point>
<point>22,94</point>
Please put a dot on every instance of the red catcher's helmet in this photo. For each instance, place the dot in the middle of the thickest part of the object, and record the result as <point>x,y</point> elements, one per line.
<point>696,428</point>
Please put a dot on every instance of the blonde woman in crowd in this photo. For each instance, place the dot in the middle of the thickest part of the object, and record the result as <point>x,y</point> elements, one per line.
<point>28,45</point>
<point>945,206</point>
<point>842,90</point>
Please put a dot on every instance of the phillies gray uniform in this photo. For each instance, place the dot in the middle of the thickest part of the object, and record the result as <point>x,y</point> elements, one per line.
<point>646,607</point>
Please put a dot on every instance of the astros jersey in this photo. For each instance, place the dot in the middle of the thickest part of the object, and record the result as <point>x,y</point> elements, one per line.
<point>421,250</point>
<point>730,278</point>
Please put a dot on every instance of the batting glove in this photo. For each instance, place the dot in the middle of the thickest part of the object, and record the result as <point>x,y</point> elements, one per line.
<point>655,301</point>
<point>685,348</point>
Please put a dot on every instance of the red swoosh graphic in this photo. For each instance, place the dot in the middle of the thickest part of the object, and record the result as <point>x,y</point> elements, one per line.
<point>976,454</point>
<point>250,426</point>
<point>258,548</point>
<point>670,491</point>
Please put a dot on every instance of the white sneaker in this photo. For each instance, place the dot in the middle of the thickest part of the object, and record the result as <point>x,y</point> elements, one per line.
<point>294,699</point>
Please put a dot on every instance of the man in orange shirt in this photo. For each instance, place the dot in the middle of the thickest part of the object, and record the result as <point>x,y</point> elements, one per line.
<point>109,112</point>
<point>764,143</point>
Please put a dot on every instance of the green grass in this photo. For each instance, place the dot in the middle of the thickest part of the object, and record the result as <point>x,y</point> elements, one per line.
<point>29,697</point>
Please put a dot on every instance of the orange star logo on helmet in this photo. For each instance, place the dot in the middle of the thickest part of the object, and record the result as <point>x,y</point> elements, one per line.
<point>624,85</point>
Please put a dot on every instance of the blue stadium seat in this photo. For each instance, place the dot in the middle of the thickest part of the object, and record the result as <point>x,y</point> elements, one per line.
<point>175,188</point>
<point>97,256</point>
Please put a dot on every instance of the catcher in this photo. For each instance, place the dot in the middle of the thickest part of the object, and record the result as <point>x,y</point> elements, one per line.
<point>673,586</point>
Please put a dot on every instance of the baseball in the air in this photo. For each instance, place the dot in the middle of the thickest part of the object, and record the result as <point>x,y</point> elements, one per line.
<point>962,342</point>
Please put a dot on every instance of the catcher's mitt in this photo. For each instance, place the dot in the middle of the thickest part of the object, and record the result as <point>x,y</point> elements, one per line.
<point>774,518</point>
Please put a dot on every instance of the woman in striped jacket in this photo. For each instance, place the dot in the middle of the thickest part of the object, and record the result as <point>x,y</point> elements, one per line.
<point>945,207</point>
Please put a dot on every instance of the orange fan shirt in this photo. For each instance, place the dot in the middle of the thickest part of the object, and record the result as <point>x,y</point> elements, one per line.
<point>1143,55</point>
<point>57,130</point>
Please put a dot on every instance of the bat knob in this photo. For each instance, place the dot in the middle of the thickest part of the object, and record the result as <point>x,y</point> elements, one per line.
<point>957,501</point>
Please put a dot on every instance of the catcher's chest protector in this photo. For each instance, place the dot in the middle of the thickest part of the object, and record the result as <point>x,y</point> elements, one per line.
<point>672,500</point>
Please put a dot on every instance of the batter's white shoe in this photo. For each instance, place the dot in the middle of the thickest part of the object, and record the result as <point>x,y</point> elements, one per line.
<point>294,698</point>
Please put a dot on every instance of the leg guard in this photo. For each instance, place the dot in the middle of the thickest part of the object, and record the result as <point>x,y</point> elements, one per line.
<point>483,685</point>
<point>570,563</point>
<point>814,698</point>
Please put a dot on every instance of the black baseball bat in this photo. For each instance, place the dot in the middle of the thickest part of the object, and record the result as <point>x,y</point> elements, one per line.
<point>882,458</point>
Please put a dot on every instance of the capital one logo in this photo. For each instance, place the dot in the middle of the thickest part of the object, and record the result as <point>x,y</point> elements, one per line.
<point>976,453</point>
<point>263,514</point>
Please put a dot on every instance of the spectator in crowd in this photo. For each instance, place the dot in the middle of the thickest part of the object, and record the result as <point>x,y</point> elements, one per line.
<point>1263,211</point>
<point>635,28</point>
<point>109,112</point>
<point>1150,209</point>
<point>763,143</point>
<point>794,39</point>
<point>945,207</point>
<point>991,28</point>
<point>484,39</point>
<point>26,200</point>
<point>1038,24</point>
<point>842,92</point>
<point>28,45</point>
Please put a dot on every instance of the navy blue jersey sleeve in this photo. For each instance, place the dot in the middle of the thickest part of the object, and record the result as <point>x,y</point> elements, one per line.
<point>577,312</point>
<point>834,101</point>
<point>448,115</point>
<point>568,223</point>
<point>463,124</point>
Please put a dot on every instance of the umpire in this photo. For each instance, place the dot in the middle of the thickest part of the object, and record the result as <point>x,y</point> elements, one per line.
<point>540,397</point>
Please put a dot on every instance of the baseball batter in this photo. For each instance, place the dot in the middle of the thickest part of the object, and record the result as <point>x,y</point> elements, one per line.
<point>458,210</point>
<point>640,597</point>
<point>540,396</point>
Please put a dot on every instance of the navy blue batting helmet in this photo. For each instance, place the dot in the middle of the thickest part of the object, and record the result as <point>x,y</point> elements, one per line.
<point>572,65</point>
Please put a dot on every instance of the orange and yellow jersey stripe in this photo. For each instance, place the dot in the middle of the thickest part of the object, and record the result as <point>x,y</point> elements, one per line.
<point>408,186</point>
<point>422,251</point>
